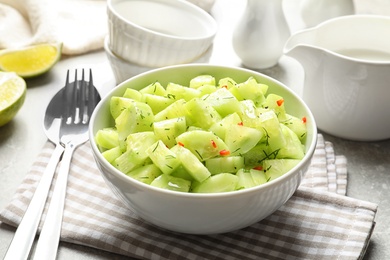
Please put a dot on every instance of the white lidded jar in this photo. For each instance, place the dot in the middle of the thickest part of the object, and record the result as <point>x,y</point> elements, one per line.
<point>313,12</point>
<point>261,33</point>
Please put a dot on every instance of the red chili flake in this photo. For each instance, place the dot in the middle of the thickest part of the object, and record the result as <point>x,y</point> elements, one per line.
<point>258,168</point>
<point>280,102</point>
<point>224,86</point>
<point>213,144</point>
<point>224,152</point>
<point>241,123</point>
<point>304,120</point>
<point>180,143</point>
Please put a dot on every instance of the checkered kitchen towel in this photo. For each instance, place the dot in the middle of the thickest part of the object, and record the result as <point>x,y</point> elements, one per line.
<point>317,222</point>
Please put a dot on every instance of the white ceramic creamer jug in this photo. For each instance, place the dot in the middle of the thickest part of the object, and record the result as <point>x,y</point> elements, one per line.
<point>346,62</point>
<point>260,34</point>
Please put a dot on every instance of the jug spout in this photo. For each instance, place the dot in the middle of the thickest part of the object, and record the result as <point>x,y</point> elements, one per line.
<point>308,56</point>
<point>301,46</point>
<point>302,53</point>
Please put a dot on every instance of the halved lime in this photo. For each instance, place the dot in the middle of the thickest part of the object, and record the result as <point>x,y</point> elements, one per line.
<point>12,94</point>
<point>32,60</point>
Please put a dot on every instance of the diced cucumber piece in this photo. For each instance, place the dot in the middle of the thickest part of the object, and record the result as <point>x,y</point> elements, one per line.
<point>112,154</point>
<point>193,128</point>
<point>293,148</point>
<point>250,178</point>
<point>273,131</point>
<point>168,130</point>
<point>174,110</point>
<point>251,90</point>
<point>146,173</point>
<point>203,144</point>
<point>140,141</point>
<point>297,125</point>
<point>201,114</point>
<point>129,161</point>
<point>220,127</point>
<point>135,155</point>
<point>107,138</point>
<point>255,156</point>
<point>181,172</point>
<point>276,103</point>
<point>206,89</point>
<point>155,89</point>
<point>170,182</point>
<point>223,182</point>
<point>163,157</point>
<point>177,92</point>
<point>258,177</point>
<point>277,167</point>
<point>191,163</point>
<point>157,103</point>
<point>202,80</point>
<point>226,83</point>
<point>133,94</point>
<point>118,104</point>
<point>240,139</point>
<point>250,114</point>
<point>230,164</point>
<point>138,117</point>
<point>223,101</point>
<point>245,180</point>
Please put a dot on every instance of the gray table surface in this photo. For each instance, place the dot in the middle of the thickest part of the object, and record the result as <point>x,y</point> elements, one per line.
<point>23,138</point>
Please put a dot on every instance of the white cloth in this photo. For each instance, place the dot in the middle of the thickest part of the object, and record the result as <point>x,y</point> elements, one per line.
<point>80,25</point>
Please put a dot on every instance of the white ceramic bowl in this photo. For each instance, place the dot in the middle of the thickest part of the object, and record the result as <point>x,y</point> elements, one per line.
<point>124,70</point>
<point>202,213</point>
<point>157,33</point>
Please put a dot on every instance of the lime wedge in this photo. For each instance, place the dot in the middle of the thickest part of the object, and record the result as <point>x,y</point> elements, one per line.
<point>30,61</point>
<point>12,94</point>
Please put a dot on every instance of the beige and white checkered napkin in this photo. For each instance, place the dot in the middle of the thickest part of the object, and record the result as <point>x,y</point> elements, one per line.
<point>317,222</point>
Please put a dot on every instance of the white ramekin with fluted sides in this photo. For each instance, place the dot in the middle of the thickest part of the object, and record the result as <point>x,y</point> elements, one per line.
<point>124,70</point>
<point>157,33</point>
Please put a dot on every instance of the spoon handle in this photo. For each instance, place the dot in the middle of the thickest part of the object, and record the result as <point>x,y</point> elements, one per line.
<point>25,233</point>
<point>49,237</point>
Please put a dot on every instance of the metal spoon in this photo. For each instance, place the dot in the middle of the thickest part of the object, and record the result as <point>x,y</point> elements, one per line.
<point>24,236</point>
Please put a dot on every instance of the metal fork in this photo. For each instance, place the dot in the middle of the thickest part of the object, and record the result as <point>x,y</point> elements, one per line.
<point>80,99</point>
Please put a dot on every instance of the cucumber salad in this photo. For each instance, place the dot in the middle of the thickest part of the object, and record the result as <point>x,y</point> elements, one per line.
<point>209,136</point>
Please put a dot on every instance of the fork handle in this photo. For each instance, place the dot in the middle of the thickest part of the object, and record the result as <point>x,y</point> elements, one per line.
<point>25,233</point>
<point>49,237</point>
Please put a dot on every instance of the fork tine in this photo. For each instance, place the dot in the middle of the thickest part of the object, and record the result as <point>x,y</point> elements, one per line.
<point>90,77</point>
<point>67,78</point>
<point>67,100</point>
<point>93,95</point>
<point>74,99</point>
<point>82,96</point>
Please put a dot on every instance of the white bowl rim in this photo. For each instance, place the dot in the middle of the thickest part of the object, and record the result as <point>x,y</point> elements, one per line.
<point>309,153</point>
<point>211,21</point>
